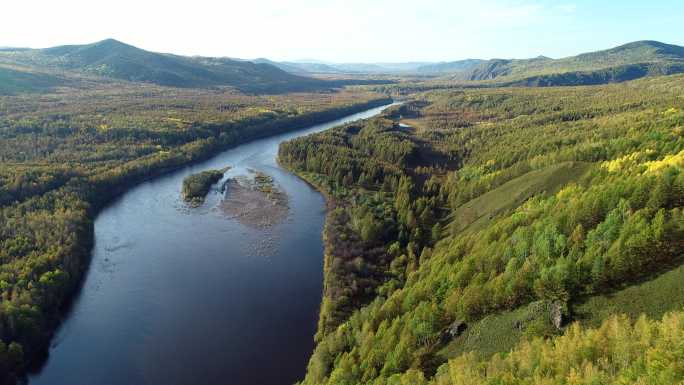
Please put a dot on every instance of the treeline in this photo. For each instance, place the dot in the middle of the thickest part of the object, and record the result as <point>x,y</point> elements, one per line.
<point>65,156</point>
<point>480,214</point>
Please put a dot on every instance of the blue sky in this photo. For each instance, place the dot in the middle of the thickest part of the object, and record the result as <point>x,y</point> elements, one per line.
<point>347,31</point>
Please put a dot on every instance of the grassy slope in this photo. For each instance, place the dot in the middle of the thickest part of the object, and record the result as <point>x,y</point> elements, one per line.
<point>477,213</point>
<point>495,333</point>
<point>653,297</point>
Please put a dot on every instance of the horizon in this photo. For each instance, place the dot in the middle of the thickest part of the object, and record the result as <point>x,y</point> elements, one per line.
<point>381,32</point>
<point>318,61</point>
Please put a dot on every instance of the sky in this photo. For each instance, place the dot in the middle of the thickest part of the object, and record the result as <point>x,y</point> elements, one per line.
<point>346,30</point>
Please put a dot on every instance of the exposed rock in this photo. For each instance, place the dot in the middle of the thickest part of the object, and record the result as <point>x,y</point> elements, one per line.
<point>454,330</point>
<point>552,312</point>
<point>556,314</point>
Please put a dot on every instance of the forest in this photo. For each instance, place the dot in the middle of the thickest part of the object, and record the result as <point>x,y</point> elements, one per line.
<point>66,154</point>
<point>472,232</point>
<point>510,221</point>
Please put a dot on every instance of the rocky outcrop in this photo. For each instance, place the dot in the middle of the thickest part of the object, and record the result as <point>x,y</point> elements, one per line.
<point>551,312</point>
<point>556,310</point>
<point>454,330</point>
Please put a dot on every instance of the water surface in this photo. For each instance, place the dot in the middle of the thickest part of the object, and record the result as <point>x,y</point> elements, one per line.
<point>175,295</point>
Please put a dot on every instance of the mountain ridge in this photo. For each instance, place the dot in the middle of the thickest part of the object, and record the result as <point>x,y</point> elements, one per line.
<point>114,59</point>
<point>649,56</point>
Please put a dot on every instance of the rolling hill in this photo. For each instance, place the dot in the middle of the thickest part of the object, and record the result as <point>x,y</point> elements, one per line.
<point>116,60</point>
<point>626,62</point>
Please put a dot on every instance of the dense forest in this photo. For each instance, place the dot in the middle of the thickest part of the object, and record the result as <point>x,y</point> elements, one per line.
<point>66,154</point>
<point>470,228</point>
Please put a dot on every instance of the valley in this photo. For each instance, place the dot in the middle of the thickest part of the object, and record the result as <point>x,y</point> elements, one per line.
<point>171,219</point>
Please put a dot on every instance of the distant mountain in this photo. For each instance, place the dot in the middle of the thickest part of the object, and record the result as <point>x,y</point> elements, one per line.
<point>314,61</point>
<point>447,67</point>
<point>404,67</point>
<point>301,67</point>
<point>113,59</point>
<point>626,62</point>
<point>13,49</point>
<point>380,68</point>
<point>38,69</point>
<point>319,67</point>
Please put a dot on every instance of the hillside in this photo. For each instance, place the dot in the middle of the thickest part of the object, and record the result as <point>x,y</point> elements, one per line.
<point>17,81</point>
<point>619,351</point>
<point>626,62</point>
<point>475,220</point>
<point>116,60</point>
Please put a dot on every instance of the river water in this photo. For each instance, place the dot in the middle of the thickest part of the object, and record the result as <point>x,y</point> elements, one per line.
<point>178,295</point>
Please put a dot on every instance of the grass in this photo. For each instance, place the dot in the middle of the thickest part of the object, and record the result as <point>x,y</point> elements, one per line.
<point>477,213</point>
<point>494,333</point>
<point>654,298</point>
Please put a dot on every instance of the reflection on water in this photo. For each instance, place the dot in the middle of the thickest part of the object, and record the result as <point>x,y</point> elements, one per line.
<point>187,296</point>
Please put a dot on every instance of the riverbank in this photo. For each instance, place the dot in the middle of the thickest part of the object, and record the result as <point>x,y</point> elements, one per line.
<point>192,286</point>
<point>350,244</point>
<point>88,196</point>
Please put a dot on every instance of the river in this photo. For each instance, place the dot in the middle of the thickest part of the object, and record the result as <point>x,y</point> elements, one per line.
<point>178,295</point>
